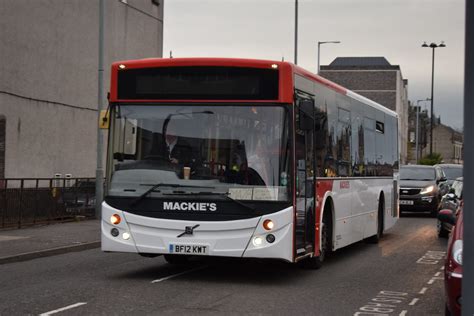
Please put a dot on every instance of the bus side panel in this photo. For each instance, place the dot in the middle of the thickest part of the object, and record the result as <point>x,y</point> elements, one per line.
<point>345,222</point>
<point>361,221</point>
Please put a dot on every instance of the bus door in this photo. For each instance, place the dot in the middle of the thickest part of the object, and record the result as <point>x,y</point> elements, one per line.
<point>305,177</point>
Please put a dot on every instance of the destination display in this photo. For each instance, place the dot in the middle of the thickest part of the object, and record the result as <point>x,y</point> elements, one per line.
<point>198,83</point>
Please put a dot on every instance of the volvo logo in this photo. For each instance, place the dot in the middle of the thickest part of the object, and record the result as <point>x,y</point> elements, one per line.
<point>188,230</point>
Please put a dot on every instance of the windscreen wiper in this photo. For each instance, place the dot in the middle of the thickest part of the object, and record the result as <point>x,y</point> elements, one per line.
<point>172,185</point>
<point>225,195</point>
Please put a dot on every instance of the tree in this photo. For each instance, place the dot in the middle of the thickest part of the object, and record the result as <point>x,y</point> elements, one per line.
<point>431,159</point>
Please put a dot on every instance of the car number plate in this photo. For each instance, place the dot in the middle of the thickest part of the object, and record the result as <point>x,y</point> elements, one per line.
<point>406,202</point>
<point>202,250</point>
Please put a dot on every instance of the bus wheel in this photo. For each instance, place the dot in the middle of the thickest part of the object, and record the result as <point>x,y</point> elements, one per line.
<point>176,259</point>
<point>316,262</point>
<point>375,238</point>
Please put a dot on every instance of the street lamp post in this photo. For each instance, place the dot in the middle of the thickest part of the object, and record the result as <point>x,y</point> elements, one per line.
<point>319,50</point>
<point>296,32</point>
<point>417,128</point>
<point>433,46</point>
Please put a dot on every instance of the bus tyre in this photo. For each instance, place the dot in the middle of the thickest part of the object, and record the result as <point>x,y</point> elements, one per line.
<point>375,238</point>
<point>176,259</point>
<point>316,262</point>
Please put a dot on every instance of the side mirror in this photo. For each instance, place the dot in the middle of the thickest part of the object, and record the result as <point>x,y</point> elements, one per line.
<point>447,216</point>
<point>442,179</point>
<point>306,113</point>
<point>118,156</point>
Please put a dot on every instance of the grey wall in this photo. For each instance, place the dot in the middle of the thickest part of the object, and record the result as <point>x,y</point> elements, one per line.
<point>48,77</point>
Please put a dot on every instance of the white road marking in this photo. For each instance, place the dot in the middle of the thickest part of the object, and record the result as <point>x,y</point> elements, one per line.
<point>423,290</point>
<point>442,268</point>
<point>431,281</point>
<point>437,274</point>
<point>63,309</point>
<point>413,302</point>
<point>177,274</point>
<point>403,313</point>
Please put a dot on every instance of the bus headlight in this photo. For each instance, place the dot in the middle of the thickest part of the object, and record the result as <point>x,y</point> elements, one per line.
<point>114,232</point>
<point>270,238</point>
<point>257,241</point>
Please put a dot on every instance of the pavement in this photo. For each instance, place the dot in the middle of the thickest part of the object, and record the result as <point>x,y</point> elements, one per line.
<point>48,240</point>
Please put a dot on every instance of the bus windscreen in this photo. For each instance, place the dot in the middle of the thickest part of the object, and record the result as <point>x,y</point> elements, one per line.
<point>198,83</point>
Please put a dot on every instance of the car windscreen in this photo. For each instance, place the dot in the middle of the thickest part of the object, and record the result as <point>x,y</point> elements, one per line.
<point>417,173</point>
<point>452,173</point>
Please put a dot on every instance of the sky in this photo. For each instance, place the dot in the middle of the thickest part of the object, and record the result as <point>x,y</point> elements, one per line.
<point>394,29</point>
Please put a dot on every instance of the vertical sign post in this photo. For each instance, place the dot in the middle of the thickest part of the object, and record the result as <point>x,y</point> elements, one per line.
<point>99,181</point>
<point>468,238</point>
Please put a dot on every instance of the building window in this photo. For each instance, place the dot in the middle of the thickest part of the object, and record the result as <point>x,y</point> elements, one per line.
<point>2,145</point>
<point>380,127</point>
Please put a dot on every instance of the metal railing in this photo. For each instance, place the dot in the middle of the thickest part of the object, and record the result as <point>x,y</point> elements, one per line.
<point>32,201</point>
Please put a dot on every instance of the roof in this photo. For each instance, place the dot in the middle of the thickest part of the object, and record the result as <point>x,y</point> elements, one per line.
<point>360,63</point>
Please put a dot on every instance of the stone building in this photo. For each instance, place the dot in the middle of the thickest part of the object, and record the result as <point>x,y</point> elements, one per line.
<point>378,80</point>
<point>447,142</point>
<point>48,78</point>
<point>423,132</point>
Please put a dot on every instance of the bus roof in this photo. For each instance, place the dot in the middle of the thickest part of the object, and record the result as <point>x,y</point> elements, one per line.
<point>285,68</point>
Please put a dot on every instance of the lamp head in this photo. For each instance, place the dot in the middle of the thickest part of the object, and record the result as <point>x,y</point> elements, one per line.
<point>424,44</point>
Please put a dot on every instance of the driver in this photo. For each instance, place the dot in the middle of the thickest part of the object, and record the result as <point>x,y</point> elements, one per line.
<point>177,150</point>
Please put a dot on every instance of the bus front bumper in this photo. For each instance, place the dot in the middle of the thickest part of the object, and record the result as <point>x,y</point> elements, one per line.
<point>238,238</point>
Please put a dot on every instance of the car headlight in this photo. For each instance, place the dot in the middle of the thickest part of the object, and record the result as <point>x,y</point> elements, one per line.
<point>457,252</point>
<point>427,190</point>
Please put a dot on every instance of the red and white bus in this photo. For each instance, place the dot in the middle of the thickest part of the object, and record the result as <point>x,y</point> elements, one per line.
<point>244,158</point>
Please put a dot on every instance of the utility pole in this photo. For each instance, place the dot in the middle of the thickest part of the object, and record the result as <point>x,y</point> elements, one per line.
<point>99,175</point>
<point>296,32</point>
<point>432,46</point>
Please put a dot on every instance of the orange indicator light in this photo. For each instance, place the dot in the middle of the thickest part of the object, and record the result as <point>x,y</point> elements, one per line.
<point>115,219</point>
<point>268,224</point>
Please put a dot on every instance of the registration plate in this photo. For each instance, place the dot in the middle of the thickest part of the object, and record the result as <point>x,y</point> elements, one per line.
<point>406,202</point>
<point>202,250</point>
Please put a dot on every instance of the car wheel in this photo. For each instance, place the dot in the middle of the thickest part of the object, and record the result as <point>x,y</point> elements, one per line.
<point>442,232</point>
